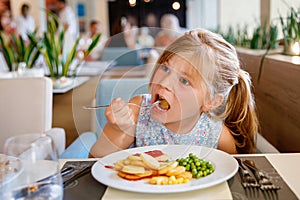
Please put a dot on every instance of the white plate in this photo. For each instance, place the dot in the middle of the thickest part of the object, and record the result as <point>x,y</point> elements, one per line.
<point>10,168</point>
<point>225,167</point>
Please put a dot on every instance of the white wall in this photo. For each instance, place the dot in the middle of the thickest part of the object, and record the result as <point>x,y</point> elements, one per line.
<point>101,13</point>
<point>239,12</point>
<point>278,7</point>
<point>202,14</point>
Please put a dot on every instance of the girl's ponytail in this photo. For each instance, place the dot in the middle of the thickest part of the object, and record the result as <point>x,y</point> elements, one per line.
<point>240,115</point>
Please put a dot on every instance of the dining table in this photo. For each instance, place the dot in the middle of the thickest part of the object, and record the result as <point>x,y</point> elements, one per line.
<point>282,168</point>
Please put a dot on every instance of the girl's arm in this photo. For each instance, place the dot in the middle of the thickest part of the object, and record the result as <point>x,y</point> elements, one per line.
<point>119,131</point>
<point>226,141</point>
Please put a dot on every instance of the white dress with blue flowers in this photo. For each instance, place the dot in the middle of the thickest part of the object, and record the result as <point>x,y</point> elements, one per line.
<point>150,132</point>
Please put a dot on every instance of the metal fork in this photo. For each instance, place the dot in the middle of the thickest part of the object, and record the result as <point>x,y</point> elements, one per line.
<point>103,106</point>
<point>263,180</point>
<point>248,181</point>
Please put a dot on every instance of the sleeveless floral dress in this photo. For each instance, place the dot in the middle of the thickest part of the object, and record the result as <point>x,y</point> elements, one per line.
<point>150,132</point>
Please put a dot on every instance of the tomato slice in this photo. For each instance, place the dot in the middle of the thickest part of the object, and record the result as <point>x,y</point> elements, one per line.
<point>155,153</point>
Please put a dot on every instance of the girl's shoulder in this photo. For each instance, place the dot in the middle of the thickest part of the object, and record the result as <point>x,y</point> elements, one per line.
<point>227,141</point>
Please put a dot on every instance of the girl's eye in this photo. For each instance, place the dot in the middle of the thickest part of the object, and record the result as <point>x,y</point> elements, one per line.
<point>184,81</point>
<point>165,68</point>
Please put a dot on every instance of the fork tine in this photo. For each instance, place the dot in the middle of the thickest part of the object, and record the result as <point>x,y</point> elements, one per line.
<point>270,194</point>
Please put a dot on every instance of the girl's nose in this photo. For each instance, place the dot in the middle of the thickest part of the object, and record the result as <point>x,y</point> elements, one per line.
<point>169,81</point>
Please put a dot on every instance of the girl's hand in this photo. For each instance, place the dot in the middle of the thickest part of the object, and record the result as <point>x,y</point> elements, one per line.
<point>120,116</point>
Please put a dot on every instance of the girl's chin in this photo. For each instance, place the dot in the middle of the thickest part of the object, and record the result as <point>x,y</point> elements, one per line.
<point>159,115</point>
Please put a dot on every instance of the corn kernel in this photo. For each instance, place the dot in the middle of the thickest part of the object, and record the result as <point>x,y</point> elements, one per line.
<point>172,178</point>
<point>165,182</point>
<point>152,181</point>
<point>180,180</point>
<point>186,180</point>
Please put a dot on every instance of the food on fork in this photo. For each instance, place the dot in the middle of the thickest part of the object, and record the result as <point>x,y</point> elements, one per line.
<point>163,103</point>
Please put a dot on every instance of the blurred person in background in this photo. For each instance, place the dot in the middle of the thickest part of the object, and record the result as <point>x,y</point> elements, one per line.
<point>7,25</point>
<point>25,22</point>
<point>67,18</point>
<point>94,28</point>
<point>144,38</point>
<point>170,30</point>
<point>152,23</point>
<point>123,34</point>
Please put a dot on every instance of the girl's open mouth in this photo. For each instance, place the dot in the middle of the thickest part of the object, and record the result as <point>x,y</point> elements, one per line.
<point>163,103</point>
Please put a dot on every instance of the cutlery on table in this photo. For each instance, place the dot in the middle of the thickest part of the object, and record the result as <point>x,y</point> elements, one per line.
<point>104,106</point>
<point>248,181</point>
<point>263,180</point>
<point>85,170</point>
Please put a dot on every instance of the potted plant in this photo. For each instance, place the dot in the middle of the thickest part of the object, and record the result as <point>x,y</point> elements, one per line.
<point>264,37</point>
<point>291,32</point>
<point>62,62</point>
<point>17,51</point>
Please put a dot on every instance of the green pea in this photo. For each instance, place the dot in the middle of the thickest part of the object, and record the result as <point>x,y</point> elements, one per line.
<point>200,173</point>
<point>198,167</point>
<point>187,168</point>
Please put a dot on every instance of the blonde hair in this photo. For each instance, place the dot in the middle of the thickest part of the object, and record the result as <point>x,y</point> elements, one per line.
<point>219,67</point>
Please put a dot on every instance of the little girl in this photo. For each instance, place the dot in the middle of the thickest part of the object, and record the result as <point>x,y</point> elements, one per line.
<point>208,97</point>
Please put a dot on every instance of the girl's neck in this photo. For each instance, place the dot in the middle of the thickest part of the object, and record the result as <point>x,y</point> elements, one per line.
<point>184,126</point>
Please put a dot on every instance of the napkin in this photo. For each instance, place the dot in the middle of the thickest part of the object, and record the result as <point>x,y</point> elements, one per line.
<point>220,191</point>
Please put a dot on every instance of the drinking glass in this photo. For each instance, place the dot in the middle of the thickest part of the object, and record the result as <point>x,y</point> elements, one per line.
<point>40,176</point>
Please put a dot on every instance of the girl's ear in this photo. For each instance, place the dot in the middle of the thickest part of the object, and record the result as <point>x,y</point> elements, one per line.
<point>213,103</point>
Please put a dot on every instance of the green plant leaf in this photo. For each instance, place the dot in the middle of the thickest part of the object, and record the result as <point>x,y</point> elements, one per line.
<point>254,43</point>
<point>70,58</point>
<point>94,43</point>
<point>49,56</point>
<point>7,52</point>
<point>16,48</point>
<point>61,41</point>
<point>34,56</point>
<point>22,48</point>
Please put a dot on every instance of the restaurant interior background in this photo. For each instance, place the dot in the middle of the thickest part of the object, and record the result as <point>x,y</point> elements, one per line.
<point>283,131</point>
<point>192,13</point>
